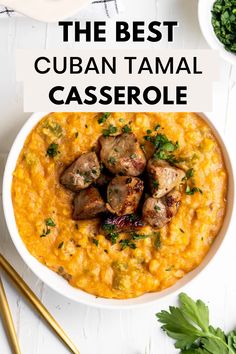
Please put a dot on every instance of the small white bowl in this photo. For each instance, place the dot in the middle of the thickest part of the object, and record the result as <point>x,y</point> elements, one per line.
<point>56,282</point>
<point>204,17</point>
<point>46,10</point>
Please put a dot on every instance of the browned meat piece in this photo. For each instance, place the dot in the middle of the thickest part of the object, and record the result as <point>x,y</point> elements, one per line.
<point>158,212</point>
<point>163,177</point>
<point>88,204</point>
<point>122,154</point>
<point>82,172</point>
<point>124,223</point>
<point>123,194</point>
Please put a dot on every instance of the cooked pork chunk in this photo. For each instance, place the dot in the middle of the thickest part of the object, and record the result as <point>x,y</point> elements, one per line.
<point>163,177</point>
<point>158,212</point>
<point>88,204</point>
<point>122,154</point>
<point>82,172</point>
<point>124,223</point>
<point>123,194</point>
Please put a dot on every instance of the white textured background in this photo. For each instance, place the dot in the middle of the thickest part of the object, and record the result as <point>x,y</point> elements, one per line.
<point>103,331</point>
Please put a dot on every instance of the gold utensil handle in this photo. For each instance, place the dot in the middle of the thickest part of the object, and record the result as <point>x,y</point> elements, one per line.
<point>37,304</point>
<point>8,321</point>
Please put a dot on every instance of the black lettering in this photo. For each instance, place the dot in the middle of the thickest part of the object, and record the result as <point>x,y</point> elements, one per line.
<point>106,95</point>
<point>133,95</point>
<point>169,66</point>
<point>137,31</point>
<point>122,33</point>
<point>36,65</point>
<point>183,65</point>
<point>157,94</point>
<point>145,65</point>
<point>86,31</point>
<point>88,92</point>
<point>52,93</point>
<point>55,65</point>
<point>152,28</point>
<point>73,96</point>
<point>106,63</point>
<point>98,31</point>
<point>195,70</point>
<point>181,94</point>
<point>65,26</point>
<point>166,99</point>
<point>130,59</point>
<point>170,27</point>
<point>91,66</point>
<point>75,65</point>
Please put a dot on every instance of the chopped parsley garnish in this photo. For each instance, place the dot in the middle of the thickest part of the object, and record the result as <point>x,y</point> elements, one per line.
<point>193,190</point>
<point>113,236</point>
<point>190,173</point>
<point>49,223</point>
<point>135,236</point>
<point>157,208</point>
<point>149,132</point>
<point>110,130</point>
<point>182,231</point>
<point>95,241</point>
<point>109,228</point>
<point>60,245</point>
<point>157,127</point>
<point>126,129</point>
<point>164,147</point>
<point>112,160</point>
<point>52,150</point>
<point>155,184</point>
<point>103,118</point>
<point>157,241</point>
<point>54,128</point>
<point>127,243</point>
<point>224,23</point>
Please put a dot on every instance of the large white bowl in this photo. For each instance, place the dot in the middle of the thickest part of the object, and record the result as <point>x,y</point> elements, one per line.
<point>58,283</point>
<point>204,17</point>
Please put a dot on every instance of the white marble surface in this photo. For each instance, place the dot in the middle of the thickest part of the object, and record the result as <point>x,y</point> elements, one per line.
<point>103,331</point>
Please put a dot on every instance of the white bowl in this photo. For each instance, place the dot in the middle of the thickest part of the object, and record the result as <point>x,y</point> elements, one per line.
<point>46,10</point>
<point>55,281</point>
<point>204,17</point>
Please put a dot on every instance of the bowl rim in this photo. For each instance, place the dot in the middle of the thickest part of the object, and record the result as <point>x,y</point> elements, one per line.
<point>55,282</point>
<point>208,32</point>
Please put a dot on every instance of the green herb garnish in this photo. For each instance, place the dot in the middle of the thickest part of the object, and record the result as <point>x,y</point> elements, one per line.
<point>52,150</point>
<point>193,190</point>
<point>157,241</point>
<point>224,23</point>
<point>113,236</point>
<point>189,173</point>
<point>103,118</point>
<point>110,130</point>
<point>95,241</point>
<point>188,324</point>
<point>49,223</point>
<point>126,129</point>
<point>127,243</point>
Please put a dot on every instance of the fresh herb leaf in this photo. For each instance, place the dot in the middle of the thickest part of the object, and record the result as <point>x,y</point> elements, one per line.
<point>110,130</point>
<point>157,241</point>
<point>113,236</point>
<point>189,173</point>
<point>189,326</point>
<point>52,150</point>
<point>126,129</point>
<point>50,222</point>
<point>127,243</point>
<point>95,241</point>
<point>193,190</point>
<point>157,127</point>
<point>103,118</point>
<point>224,23</point>
<point>108,228</point>
<point>135,236</point>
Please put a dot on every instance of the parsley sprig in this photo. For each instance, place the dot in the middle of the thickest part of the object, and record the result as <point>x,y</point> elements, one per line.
<point>48,223</point>
<point>189,326</point>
